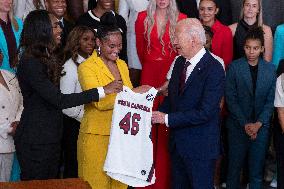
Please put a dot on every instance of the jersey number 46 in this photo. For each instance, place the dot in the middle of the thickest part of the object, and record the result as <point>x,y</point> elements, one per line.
<point>130,123</point>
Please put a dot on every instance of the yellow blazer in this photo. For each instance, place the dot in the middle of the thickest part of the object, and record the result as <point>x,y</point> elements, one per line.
<point>94,73</point>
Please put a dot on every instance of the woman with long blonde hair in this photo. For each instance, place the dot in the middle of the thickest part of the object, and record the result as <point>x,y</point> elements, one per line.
<point>154,33</point>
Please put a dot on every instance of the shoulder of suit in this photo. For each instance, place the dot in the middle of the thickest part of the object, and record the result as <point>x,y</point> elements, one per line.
<point>70,64</point>
<point>268,65</point>
<point>121,62</point>
<point>90,61</point>
<point>119,17</point>
<point>67,22</point>
<point>30,62</point>
<point>83,18</point>
<point>237,63</point>
<point>213,59</point>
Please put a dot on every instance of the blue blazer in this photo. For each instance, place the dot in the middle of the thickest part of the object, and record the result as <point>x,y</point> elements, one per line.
<point>193,116</point>
<point>3,45</point>
<point>239,93</point>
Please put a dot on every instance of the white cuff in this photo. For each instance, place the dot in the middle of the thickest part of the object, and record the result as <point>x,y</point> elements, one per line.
<point>101,92</point>
<point>167,120</point>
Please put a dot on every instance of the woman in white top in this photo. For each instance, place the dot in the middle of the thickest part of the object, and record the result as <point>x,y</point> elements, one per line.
<point>11,107</point>
<point>129,9</point>
<point>79,46</point>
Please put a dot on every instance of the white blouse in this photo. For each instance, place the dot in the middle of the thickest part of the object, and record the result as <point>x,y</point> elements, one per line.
<point>69,83</point>
<point>11,107</point>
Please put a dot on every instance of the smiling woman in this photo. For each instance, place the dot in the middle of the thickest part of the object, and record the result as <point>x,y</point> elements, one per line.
<point>222,40</point>
<point>100,69</point>
<point>39,133</point>
<point>92,19</point>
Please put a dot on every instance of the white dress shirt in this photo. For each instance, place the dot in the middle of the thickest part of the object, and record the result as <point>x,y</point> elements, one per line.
<point>169,74</point>
<point>11,107</point>
<point>129,9</point>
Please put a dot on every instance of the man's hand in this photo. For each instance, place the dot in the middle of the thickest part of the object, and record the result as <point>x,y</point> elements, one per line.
<point>142,89</point>
<point>252,129</point>
<point>158,117</point>
<point>14,126</point>
<point>248,129</point>
<point>113,87</point>
<point>163,90</point>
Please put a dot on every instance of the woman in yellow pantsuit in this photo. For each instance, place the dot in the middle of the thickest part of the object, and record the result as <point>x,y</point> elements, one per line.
<point>99,69</point>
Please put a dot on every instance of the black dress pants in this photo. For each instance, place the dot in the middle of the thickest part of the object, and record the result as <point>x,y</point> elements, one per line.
<point>69,147</point>
<point>279,148</point>
<point>38,161</point>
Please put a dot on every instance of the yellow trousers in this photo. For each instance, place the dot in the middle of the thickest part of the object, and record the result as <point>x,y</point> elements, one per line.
<point>92,150</point>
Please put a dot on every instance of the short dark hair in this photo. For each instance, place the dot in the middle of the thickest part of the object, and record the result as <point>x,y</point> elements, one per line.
<point>256,33</point>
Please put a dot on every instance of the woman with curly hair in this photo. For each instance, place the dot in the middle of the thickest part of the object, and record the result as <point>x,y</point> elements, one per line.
<point>79,46</point>
<point>39,133</point>
<point>154,34</point>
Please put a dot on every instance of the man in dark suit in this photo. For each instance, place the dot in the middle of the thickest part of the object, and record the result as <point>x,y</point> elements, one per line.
<point>58,9</point>
<point>192,108</point>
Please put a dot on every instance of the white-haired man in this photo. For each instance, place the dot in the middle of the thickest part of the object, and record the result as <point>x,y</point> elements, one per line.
<point>191,109</point>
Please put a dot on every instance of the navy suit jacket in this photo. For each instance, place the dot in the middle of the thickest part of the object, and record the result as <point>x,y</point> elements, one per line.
<point>239,93</point>
<point>193,116</point>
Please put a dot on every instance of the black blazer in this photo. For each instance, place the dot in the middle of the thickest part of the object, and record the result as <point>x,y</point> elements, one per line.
<point>41,120</point>
<point>68,26</point>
